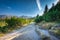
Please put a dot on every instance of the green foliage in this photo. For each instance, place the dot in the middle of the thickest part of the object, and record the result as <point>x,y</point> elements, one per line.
<point>53,14</point>
<point>12,23</point>
<point>46,9</point>
<point>4,29</point>
<point>50,16</point>
<point>2,23</point>
<point>38,19</point>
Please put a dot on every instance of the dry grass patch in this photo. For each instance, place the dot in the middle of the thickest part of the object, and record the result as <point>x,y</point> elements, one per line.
<point>46,25</point>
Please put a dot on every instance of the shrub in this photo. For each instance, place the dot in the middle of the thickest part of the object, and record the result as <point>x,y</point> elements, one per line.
<point>39,19</point>
<point>4,29</point>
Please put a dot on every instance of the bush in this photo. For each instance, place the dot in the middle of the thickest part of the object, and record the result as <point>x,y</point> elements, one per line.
<point>4,29</point>
<point>39,19</point>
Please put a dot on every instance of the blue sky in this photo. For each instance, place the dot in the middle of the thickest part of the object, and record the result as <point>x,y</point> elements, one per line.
<point>24,7</point>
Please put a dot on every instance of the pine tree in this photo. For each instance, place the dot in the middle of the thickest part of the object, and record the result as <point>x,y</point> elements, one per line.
<point>37,16</point>
<point>46,9</point>
<point>52,4</point>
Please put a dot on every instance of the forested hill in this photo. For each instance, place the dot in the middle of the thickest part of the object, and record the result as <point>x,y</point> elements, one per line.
<point>56,7</point>
<point>53,14</point>
<point>50,15</point>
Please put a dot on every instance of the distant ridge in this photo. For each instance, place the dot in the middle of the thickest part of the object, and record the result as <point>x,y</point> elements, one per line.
<point>25,16</point>
<point>3,16</point>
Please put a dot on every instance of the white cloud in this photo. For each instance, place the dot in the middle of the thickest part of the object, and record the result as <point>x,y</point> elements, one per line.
<point>38,4</point>
<point>56,2</point>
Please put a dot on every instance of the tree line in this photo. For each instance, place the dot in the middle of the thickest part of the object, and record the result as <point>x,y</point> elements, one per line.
<point>9,24</point>
<point>50,15</point>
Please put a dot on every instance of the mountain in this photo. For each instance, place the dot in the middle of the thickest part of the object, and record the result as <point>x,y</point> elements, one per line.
<point>26,17</point>
<point>3,16</point>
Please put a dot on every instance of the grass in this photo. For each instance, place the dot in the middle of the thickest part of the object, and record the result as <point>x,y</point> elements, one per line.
<point>46,25</point>
<point>57,32</point>
<point>12,30</point>
<point>49,25</point>
<point>1,34</point>
<point>3,23</point>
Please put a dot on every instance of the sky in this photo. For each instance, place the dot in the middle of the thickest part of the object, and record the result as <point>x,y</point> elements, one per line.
<point>24,7</point>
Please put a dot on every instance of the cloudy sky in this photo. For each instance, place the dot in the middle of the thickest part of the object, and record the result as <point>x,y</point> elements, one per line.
<point>24,7</point>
